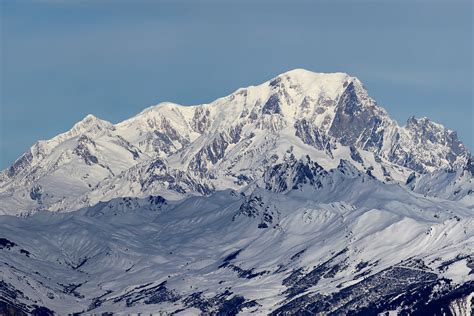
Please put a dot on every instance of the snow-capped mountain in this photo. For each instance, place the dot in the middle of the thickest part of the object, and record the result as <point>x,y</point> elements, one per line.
<point>313,245</point>
<point>451,184</point>
<point>296,196</point>
<point>226,144</point>
<point>69,164</point>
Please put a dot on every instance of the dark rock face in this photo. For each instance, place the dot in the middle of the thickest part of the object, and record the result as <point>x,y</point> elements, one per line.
<point>297,282</point>
<point>359,123</point>
<point>225,303</point>
<point>128,146</point>
<point>310,135</point>
<point>221,304</point>
<point>356,124</point>
<point>5,243</point>
<point>158,173</point>
<point>424,133</point>
<point>9,309</point>
<point>147,295</point>
<point>425,130</point>
<point>292,173</point>
<point>470,166</point>
<point>242,179</point>
<point>71,288</point>
<point>410,180</point>
<point>157,165</point>
<point>272,106</point>
<point>20,164</point>
<point>164,138</point>
<point>411,291</point>
<point>36,192</point>
<point>242,273</point>
<point>156,200</point>
<point>172,133</point>
<point>349,121</point>
<point>254,207</point>
<point>251,207</point>
<point>216,150</point>
<point>348,169</point>
<point>230,257</point>
<point>211,153</point>
<point>41,311</point>
<point>201,121</point>
<point>275,83</point>
<point>355,155</point>
<point>10,305</point>
<point>246,273</point>
<point>372,137</point>
<point>399,156</point>
<point>235,133</point>
<point>9,245</point>
<point>83,150</point>
<point>162,142</point>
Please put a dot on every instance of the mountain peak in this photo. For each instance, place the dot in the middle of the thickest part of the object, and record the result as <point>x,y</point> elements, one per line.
<point>161,105</point>
<point>90,117</point>
<point>329,116</point>
<point>89,124</point>
<point>425,125</point>
<point>308,78</point>
<point>301,72</point>
<point>90,121</point>
<point>422,121</point>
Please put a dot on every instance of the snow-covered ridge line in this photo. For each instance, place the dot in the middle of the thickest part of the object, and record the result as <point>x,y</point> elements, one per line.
<point>266,251</point>
<point>297,196</point>
<point>228,142</point>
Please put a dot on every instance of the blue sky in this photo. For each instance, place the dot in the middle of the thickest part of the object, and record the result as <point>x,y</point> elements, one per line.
<point>63,59</point>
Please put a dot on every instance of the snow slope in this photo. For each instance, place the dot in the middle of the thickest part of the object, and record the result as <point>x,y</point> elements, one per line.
<point>264,251</point>
<point>296,196</point>
<point>227,144</point>
<point>451,184</point>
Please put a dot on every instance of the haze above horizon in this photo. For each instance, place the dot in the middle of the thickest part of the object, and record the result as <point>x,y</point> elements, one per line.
<point>61,60</point>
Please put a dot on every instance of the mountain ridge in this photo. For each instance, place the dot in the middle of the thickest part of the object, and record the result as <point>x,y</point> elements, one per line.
<point>323,113</point>
<point>297,196</point>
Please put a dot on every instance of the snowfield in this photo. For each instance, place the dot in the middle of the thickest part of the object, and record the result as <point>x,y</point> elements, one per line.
<point>297,196</point>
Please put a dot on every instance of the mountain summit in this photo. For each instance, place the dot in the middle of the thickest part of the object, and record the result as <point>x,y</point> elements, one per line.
<point>227,144</point>
<point>299,196</point>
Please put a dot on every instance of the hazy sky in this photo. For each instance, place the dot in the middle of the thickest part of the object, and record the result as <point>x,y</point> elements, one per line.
<point>63,59</point>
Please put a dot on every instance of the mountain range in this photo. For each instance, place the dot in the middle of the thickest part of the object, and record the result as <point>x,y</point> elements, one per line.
<point>296,196</point>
